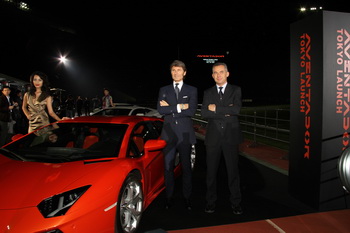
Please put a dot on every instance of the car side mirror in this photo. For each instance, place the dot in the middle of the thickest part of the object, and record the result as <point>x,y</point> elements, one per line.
<point>154,144</point>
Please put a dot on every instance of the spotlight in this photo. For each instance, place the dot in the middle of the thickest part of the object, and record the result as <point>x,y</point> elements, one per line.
<point>63,60</point>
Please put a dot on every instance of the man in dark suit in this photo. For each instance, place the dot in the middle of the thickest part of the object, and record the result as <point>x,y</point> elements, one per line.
<point>6,106</point>
<point>223,135</point>
<point>177,102</point>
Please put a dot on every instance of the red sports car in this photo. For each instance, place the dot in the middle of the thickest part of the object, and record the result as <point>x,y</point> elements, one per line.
<point>88,174</point>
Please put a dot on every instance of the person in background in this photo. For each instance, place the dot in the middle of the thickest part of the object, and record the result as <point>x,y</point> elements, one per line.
<point>37,101</point>
<point>21,125</point>
<point>70,106</point>
<point>107,100</point>
<point>96,103</point>
<point>221,107</point>
<point>56,104</point>
<point>177,102</point>
<point>79,105</point>
<point>6,108</point>
<point>86,106</point>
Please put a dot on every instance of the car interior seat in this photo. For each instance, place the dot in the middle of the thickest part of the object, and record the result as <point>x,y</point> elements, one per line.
<point>138,139</point>
<point>91,139</point>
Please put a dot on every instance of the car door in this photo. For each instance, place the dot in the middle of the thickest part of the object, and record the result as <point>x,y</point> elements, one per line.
<point>152,161</point>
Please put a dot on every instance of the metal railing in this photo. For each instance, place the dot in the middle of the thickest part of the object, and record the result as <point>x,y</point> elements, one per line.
<point>268,125</point>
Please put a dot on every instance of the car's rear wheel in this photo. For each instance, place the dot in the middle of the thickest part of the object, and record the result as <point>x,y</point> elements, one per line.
<point>193,157</point>
<point>130,205</point>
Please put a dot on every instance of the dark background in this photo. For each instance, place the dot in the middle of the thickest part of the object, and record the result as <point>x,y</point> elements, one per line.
<point>128,46</point>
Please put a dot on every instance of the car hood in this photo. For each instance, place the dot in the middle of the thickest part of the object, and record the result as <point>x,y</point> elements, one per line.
<point>26,184</point>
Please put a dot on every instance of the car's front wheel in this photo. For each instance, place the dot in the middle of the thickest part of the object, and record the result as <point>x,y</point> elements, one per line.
<point>130,205</point>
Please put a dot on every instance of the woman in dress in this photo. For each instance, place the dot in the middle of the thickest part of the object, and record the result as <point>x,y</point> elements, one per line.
<point>37,102</point>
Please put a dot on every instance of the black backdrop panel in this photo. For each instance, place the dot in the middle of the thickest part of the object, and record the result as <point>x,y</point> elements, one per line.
<point>320,107</point>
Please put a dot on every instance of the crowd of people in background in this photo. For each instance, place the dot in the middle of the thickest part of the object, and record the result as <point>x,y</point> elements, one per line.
<point>69,106</point>
<point>78,106</point>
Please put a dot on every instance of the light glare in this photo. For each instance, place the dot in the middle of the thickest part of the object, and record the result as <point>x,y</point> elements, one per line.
<point>23,6</point>
<point>63,59</point>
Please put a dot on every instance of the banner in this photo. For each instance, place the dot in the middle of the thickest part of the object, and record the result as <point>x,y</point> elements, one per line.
<point>320,108</point>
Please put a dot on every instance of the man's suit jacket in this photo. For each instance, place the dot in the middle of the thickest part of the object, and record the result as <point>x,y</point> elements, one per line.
<point>178,127</point>
<point>223,124</point>
<point>4,109</point>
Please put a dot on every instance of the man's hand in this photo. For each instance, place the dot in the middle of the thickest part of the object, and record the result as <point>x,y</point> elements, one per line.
<point>212,107</point>
<point>163,103</point>
<point>184,106</point>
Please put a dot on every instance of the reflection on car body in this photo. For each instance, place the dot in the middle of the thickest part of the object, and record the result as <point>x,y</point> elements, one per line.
<point>127,110</point>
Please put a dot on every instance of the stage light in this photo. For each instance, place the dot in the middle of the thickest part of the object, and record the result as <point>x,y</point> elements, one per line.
<point>23,6</point>
<point>63,60</point>
<point>309,9</point>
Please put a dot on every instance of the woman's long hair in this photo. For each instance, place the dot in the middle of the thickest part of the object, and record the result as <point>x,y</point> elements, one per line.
<point>45,89</point>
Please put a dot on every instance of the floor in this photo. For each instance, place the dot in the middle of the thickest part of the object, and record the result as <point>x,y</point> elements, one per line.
<point>325,222</point>
<point>267,205</point>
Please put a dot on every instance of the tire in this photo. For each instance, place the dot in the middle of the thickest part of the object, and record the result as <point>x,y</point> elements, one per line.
<point>193,157</point>
<point>177,159</point>
<point>130,205</point>
<point>344,169</point>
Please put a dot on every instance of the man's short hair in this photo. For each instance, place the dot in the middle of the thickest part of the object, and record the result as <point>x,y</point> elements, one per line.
<point>220,64</point>
<point>5,87</point>
<point>178,63</point>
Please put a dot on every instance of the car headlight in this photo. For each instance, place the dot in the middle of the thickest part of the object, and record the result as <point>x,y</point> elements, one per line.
<point>59,204</point>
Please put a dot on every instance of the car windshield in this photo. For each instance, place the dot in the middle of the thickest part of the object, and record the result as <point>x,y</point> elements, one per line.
<point>114,112</point>
<point>65,142</point>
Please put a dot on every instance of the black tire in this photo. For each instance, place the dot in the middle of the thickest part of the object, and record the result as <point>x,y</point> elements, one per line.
<point>130,205</point>
<point>193,157</point>
<point>177,159</point>
<point>343,169</point>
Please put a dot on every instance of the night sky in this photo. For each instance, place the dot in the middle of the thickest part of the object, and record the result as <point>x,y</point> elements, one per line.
<point>129,46</point>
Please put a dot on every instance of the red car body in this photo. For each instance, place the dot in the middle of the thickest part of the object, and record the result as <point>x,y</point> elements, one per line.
<point>96,193</point>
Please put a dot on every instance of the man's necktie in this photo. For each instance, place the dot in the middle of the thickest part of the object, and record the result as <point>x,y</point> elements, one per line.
<point>177,90</point>
<point>221,94</point>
